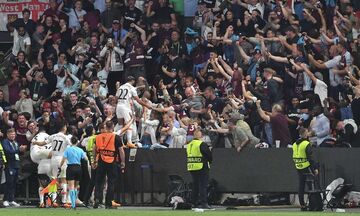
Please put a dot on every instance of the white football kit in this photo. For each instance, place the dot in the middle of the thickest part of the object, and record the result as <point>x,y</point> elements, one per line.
<point>39,154</point>
<point>59,142</point>
<point>125,94</point>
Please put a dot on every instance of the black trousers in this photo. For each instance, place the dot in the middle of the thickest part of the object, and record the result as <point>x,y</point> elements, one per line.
<point>200,184</point>
<point>108,170</point>
<point>91,186</point>
<point>85,180</point>
<point>112,78</point>
<point>10,185</point>
<point>118,183</point>
<point>303,175</point>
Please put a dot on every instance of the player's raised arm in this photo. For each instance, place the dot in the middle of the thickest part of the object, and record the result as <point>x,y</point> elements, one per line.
<point>142,102</point>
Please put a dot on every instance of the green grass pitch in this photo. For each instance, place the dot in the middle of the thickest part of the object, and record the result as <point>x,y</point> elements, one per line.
<point>122,212</point>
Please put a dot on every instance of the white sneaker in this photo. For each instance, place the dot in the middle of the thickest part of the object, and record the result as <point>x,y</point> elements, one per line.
<point>6,204</point>
<point>13,203</point>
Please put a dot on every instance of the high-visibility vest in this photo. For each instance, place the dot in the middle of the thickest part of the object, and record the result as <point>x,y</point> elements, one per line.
<point>299,155</point>
<point>105,147</point>
<point>2,154</point>
<point>194,156</point>
<point>90,147</point>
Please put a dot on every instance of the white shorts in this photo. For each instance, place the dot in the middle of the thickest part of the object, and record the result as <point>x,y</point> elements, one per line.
<point>45,167</point>
<point>55,164</point>
<point>123,111</point>
<point>35,154</point>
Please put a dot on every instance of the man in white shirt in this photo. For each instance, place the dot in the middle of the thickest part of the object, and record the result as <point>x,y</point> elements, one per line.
<point>22,41</point>
<point>320,86</point>
<point>320,125</point>
<point>124,110</point>
<point>116,64</point>
<point>76,15</point>
<point>97,90</point>
<point>336,65</point>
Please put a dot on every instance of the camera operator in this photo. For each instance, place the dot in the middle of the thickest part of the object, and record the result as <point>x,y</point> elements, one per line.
<point>80,48</point>
<point>37,83</point>
<point>116,64</point>
<point>62,66</point>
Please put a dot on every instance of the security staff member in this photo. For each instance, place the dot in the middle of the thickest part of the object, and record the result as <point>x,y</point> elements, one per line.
<point>2,160</point>
<point>89,144</point>
<point>108,146</point>
<point>11,150</point>
<point>199,158</point>
<point>303,162</point>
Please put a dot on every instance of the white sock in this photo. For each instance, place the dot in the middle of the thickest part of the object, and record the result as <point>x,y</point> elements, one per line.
<point>134,133</point>
<point>68,199</point>
<point>77,195</point>
<point>41,196</point>
<point>117,127</point>
<point>129,136</point>
<point>64,196</point>
<point>53,197</point>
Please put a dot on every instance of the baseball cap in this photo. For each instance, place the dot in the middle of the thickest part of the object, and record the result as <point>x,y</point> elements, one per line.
<point>270,70</point>
<point>256,51</point>
<point>116,21</point>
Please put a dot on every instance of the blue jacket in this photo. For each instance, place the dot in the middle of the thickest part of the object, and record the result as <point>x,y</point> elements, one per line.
<point>12,154</point>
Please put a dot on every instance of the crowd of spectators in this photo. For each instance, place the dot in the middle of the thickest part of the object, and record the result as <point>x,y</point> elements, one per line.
<point>249,73</point>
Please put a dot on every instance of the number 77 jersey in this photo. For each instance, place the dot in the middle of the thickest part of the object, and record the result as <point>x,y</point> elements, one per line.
<point>59,142</point>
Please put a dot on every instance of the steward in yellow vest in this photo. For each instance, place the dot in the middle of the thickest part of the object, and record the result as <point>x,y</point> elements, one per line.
<point>2,157</point>
<point>2,161</point>
<point>199,158</point>
<point>194,156</point>
<point>89,143</point>
<point>302,157</point>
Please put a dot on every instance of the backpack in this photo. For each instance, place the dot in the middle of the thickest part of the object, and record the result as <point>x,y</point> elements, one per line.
<point>315,198</point>
<point>315,202</point>
<point>213,192</point>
